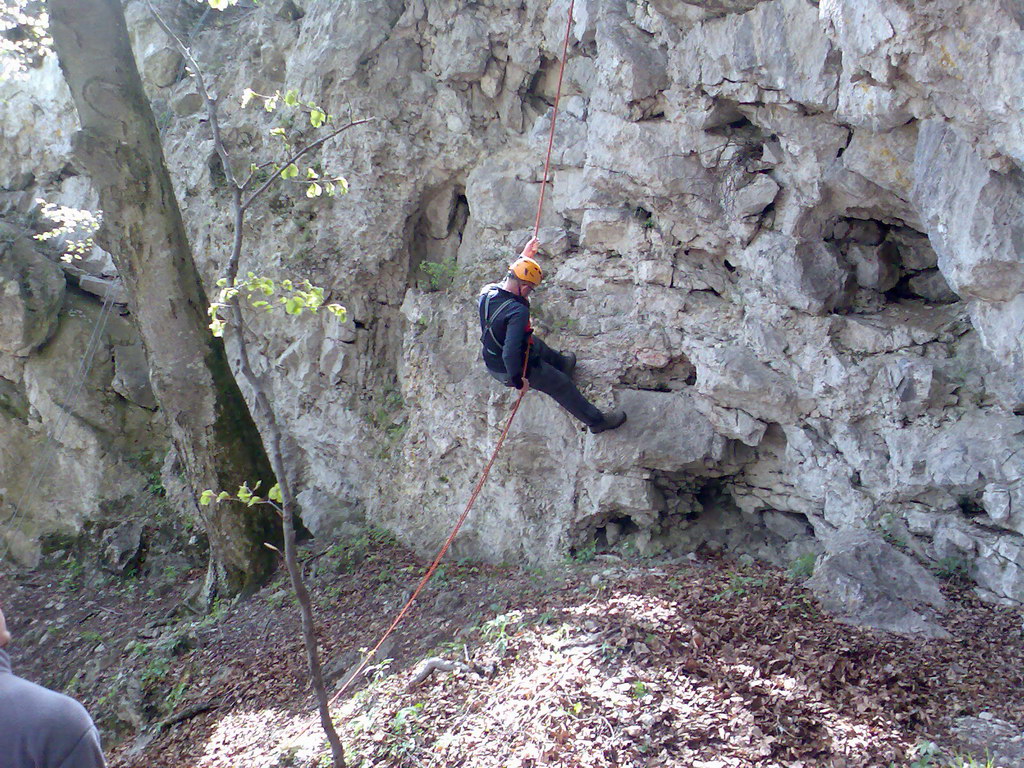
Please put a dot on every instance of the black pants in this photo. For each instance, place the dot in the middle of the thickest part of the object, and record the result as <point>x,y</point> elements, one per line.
<point>546,373</point>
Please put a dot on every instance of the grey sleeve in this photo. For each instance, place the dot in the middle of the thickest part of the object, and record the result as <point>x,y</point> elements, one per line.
<point>86,753</point>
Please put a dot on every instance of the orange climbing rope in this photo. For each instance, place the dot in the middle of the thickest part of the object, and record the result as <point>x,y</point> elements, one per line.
<point>554,116</point>
<point>437,559</point>
<point>504,432</point>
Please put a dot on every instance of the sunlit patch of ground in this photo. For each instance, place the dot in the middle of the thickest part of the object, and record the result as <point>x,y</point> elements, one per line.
<point>701,663</point>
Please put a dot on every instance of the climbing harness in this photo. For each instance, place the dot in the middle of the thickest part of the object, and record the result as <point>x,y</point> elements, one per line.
<point>504,432</point>
<point>91,348</point>
<point>487,318</point>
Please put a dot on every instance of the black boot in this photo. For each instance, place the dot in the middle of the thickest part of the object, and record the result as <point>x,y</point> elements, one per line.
<point>610,420</point>
<point>570,363</point>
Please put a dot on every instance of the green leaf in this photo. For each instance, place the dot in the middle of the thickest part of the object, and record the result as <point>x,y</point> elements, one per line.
<point>292,98</point>
<point>292,306</point>
<point>222,283</point>
<point>314,190</point>
<point>342,183</point>
<point>329,187</point>
<point>291,172</point>
<point>260,304</point>
<point>223,496</point>
<point>312,174</point>
<point>247,95</point>
<point>338,311</point>
<point>279,131</point>
<point>206,498</point>
<point>317,118</point>
<point>274,494</point>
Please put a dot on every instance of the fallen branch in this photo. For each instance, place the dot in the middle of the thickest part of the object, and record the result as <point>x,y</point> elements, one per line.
<point>432,665</point>
<point>189,712</point>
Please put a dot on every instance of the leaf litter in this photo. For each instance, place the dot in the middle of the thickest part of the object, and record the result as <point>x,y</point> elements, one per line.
<point>700,663</point>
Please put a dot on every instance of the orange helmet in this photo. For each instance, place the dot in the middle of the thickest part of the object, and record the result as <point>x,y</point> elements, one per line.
<point>527,270</point>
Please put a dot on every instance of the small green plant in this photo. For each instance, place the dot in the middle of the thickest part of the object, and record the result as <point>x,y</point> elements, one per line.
<point>498,630</point>
<point>216,613</point>
<point>928,755</point>
<point>573,710</point>
<point>73,572</point>
<point>639,690</point>
<point>404,729</point>
<point>544,619</point>
<point>91,637</point>
<point>440,274</point>
<point>175,695</point>
<point>953,569</point>
<point>155,671</point>
<point>803,567</point>
<point>155,484</point>
<point>585,554</point>
<point>388,417</point>
<point>137,648</point>
<point>739,586</point>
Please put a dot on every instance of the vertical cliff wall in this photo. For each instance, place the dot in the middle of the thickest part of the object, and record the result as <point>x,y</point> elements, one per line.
<point>787,237</point>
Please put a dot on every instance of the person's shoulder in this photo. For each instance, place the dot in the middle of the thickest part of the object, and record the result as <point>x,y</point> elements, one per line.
<point>55,709</point>
<point>490,288</point>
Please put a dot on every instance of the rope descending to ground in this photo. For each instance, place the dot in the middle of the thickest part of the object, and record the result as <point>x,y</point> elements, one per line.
<point>504,433</point>
<point>440,555</point>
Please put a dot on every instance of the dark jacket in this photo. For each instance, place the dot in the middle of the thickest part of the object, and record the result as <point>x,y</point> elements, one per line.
<point>504,332</point>
<point>40,728</point>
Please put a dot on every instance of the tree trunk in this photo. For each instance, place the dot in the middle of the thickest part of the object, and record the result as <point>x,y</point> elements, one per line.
<point>210,425</point>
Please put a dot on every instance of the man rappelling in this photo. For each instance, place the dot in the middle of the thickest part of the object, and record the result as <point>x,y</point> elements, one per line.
<point>517,358</point>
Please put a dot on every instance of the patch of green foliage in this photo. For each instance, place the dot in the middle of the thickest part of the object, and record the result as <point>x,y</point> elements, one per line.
<point>440,274</point>
<point>739,586</point>
<point>802,568</point>
<point>953,569</point>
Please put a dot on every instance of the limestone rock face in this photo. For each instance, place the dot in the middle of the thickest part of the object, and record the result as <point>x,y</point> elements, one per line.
<point>73,449</point>
<point>31,293</point>
<point>785,237</point>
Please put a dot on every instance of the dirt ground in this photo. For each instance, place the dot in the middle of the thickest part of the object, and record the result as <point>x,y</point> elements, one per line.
<point>700,662</point>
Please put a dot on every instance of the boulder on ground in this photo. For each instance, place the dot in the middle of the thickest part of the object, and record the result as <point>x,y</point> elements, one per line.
<point>997,740</point>
<point>866,582</point>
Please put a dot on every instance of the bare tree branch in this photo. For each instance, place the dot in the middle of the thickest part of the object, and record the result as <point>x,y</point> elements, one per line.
<point>211,101</point>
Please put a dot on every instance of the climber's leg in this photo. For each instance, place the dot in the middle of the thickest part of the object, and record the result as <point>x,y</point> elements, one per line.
<point>550,380</point>
<point>542,352</point>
